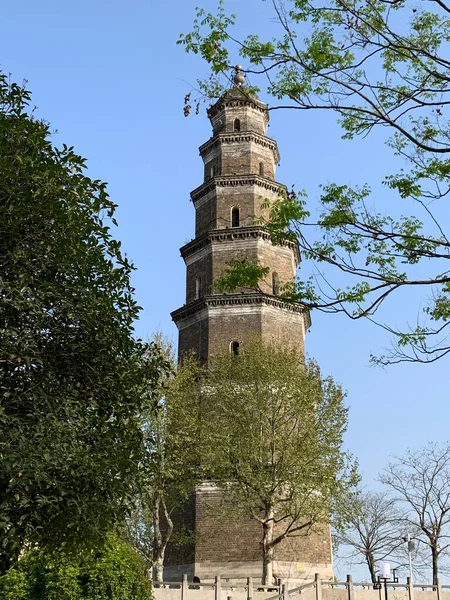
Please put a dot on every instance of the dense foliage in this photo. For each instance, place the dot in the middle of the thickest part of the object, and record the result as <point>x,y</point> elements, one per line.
<point>376,64</point>
<point>173,455</point>
<point>70,369</point>
<point>115,573</point>
<point>274,428</point>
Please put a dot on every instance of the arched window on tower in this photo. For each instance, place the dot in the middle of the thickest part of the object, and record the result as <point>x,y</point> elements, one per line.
<point>275,284</point>
<point>261,169</point>
<point>234,347</point>
<point>236,125</point>
<point>235,217</point>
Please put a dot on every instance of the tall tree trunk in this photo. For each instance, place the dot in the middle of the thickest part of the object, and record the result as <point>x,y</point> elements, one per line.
<point>268,548</point>
<point>158,568</point>
<point>159,539</point>
<point>371,565</point>
<point>158,553</point>
<point>434,556</point>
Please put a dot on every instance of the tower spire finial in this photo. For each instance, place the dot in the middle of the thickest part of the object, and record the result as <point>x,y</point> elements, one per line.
<point>239,77</point>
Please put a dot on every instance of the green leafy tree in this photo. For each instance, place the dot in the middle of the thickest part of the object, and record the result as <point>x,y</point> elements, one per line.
<point>276,428</point>
<point>70,370</point>
<point>173,455</point>
<point>376,64</point>
<point>14,585</point>
<point>114,573</point>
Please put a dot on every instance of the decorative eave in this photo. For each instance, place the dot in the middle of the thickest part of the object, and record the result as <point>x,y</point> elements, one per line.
<point>237,137</point>
<point>244,299</point>
<point>236,180</point>
<point>236,98</point>
<point>231,234</point>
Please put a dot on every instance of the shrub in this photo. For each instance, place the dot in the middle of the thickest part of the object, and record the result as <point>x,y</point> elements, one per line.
<point>114,573</point>
<point>14,585</point>
<point>118,574</point>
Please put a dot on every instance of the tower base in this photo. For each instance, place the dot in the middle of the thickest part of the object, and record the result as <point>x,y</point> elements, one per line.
<point>229,545</point>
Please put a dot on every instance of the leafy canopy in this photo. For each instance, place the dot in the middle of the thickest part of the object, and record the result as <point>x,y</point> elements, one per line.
<point>275,428</point>
<point>116,572</point>
<point>70,369</point>
<point>376,64</point>
<point>173,455</point>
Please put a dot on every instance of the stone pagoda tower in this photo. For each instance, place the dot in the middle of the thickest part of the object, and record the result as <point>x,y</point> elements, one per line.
<point>239,175</point>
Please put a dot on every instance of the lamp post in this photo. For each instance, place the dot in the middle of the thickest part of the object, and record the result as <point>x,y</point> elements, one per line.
<point>410,543</point>
<point>384,577</point>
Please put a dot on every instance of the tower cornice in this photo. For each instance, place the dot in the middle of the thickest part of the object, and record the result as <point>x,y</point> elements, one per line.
<point>236,180</point>
<point>238,137</point>
<point>230,234</point>
<point>243,299</point>
<point>236,97</point>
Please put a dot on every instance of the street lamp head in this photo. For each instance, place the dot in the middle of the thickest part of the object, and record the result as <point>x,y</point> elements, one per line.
<point>385,570</point>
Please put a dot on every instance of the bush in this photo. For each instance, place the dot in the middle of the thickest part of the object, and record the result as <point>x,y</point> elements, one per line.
<point>14,585</point>
<point>119,574</point>
<point>115,573</point>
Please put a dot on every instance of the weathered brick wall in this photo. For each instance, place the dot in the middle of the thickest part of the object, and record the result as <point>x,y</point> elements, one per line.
<point>213,168</point>
<point>224,536</point>
<point>240,323</point>
<point>260,155</point>
<point>249,198</point>
<point>244,158</point>
<point>312,548</point>
<point>232,324</point>
<point>209,262</point>
<point>221,534</point>
<point>241,197</point>
<point>200,270</point>
<point>239,154</point>
<point>213,209</point>
<point>206,213</point>
<point>250,118</point>
<point>236,159</point>
<point>281,326</point>
<point>280,260</point>
<point>193,336</point>
<point>212,329</point>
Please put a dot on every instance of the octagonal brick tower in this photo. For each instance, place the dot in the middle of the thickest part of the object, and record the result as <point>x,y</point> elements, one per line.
<point>239,174</point>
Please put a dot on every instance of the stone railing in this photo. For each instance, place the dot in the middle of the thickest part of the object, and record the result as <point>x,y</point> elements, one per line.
<point>222,589</point>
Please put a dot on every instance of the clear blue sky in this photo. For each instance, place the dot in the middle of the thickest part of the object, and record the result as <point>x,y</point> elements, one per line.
<point>109,77</point>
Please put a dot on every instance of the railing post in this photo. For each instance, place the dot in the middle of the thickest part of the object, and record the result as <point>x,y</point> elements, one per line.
<point>282,589</point>
<point>249,588</point>
<point>350,588</point>
<point>184,588</point>
<point>410,588</point>
<point>217,588</point>
<point>318,586</point>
